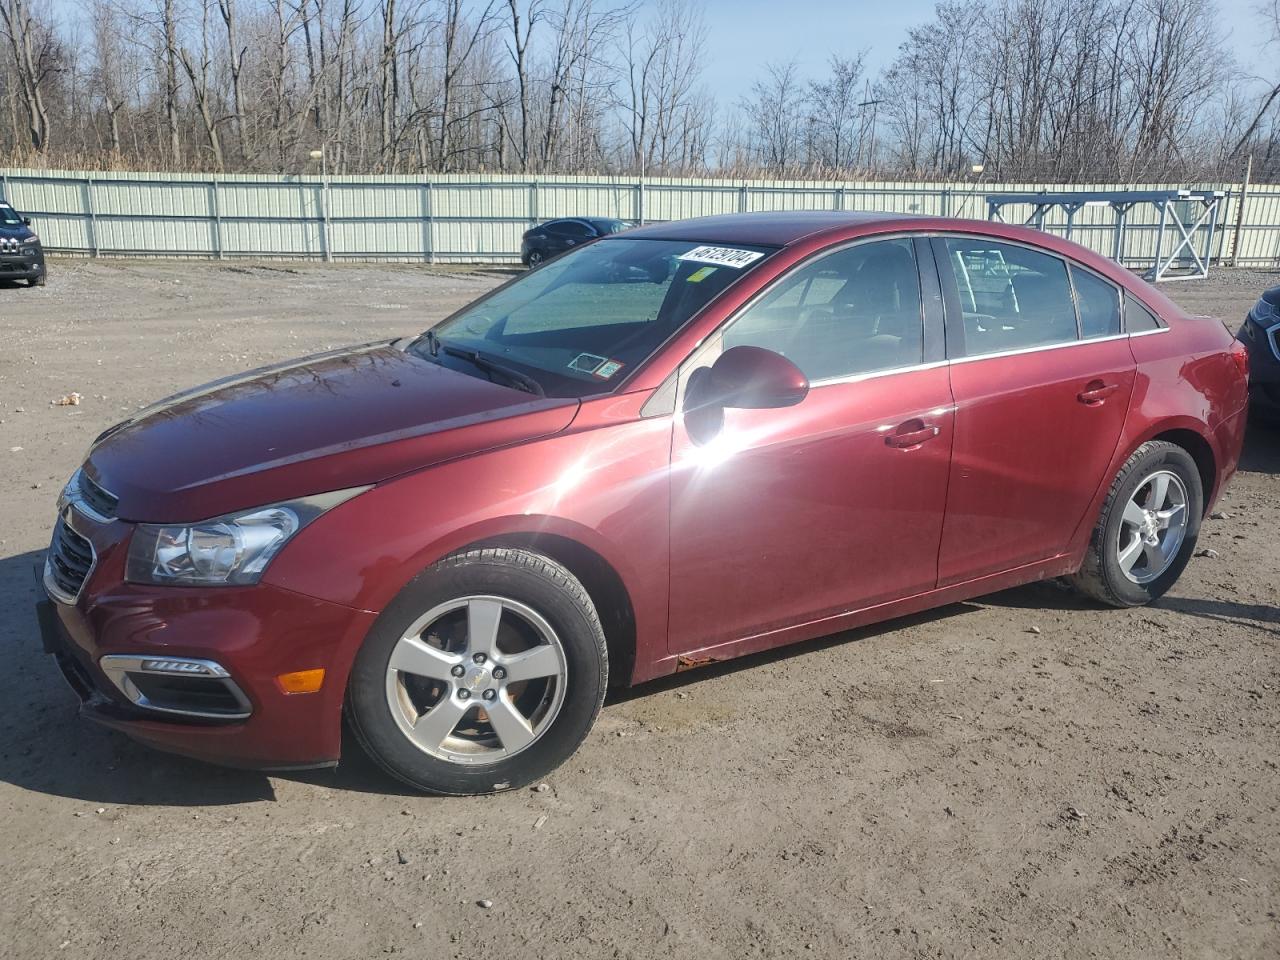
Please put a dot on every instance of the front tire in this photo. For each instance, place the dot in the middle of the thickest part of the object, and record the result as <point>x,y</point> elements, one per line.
<point>1148,528</point>
<point>536,259</point>
<point>484,674</point>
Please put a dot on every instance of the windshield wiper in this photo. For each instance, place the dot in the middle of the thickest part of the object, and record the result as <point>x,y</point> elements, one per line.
<point>477,359</point>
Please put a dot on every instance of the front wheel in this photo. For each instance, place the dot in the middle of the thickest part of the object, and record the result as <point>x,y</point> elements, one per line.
<point>536,259</point>
<point>484,674</point>
<point>1148,528</point>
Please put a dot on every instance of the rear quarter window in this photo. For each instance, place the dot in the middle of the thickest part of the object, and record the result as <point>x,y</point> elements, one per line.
<point>1138,319</point>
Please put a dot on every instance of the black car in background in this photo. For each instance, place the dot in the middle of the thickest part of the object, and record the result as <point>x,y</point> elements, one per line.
<point>21,257</point>
<point>556,236</point>
<point>1261,335</point>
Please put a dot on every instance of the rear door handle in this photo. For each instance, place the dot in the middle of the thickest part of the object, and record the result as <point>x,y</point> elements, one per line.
<point>1096,392</point>
<point>912,434</point>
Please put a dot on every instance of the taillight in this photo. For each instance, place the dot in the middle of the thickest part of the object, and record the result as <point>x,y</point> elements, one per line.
<point>1240,354</point>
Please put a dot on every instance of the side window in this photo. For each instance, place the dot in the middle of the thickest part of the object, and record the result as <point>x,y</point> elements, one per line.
<point>1012,297</point>
<point>1098,302</point>
<point>854,311</point>
<point>570,228</point>
<point>1138,318</point>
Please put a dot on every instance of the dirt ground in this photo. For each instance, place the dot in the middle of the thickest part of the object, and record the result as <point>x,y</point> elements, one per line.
<point>1022,776</point>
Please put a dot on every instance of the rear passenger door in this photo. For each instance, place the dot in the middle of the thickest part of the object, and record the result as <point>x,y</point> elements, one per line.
<point>1042,377</point>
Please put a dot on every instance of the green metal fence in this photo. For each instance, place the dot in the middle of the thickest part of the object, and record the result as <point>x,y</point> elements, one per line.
<point>480,218</point>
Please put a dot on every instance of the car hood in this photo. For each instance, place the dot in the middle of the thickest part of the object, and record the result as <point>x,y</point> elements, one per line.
<point>327,422</point>
<point>18,231</point>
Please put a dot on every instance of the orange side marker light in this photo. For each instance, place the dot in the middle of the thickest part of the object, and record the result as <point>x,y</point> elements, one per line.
<point>301,681</point>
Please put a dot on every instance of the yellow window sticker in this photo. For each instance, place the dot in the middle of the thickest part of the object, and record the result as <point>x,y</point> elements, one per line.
<point>699,275</point>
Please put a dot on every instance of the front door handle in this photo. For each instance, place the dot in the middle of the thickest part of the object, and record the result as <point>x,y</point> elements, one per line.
<point>1096,392</point>
<point>912,434</point>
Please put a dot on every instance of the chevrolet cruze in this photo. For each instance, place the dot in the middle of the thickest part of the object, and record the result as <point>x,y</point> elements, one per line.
<point>672,446</point>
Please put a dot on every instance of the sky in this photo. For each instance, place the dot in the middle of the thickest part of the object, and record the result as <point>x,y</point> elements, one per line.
<point>744,33</point>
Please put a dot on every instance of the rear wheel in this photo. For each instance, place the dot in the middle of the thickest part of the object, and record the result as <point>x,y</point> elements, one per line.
<point>536,258</point>
<point>486,673</point>
<point>1148,528</point>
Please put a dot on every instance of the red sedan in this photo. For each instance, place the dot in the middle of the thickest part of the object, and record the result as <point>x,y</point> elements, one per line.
<point>672,446</point>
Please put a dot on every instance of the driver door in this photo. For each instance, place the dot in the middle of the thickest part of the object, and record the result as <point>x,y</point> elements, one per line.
<point>792,515</point>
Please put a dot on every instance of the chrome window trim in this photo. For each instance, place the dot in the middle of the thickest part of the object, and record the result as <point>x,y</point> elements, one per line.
<point>117,668</point>
<point>859,377</point>
<point>695,358</point>
<point>1040,349</point>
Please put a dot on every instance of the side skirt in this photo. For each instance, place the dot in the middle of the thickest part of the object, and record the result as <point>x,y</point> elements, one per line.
<point>954,593</point>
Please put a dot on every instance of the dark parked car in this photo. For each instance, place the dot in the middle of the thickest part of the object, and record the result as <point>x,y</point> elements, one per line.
<point>1261,334</point>
<point>21,257</point>
<point>686,443</point>
<point>554,237</point>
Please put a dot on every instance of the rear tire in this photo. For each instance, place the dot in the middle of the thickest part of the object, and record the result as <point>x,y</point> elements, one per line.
<point>536,259</point>
<point>508,718</point>
<point>1148,528</point>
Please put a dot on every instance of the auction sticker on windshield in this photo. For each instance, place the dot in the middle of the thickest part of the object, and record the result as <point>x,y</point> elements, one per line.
<point>722,256</point>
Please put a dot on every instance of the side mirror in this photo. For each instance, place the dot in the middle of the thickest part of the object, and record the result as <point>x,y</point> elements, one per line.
<point>747,378</point>
<point>27,221</point>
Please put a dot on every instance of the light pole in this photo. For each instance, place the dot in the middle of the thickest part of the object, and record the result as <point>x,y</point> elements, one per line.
<point>976,170</point>
<point>324,202</point>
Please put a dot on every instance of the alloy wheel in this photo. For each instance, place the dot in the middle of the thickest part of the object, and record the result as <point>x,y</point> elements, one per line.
<point>1152,527</point>
<point>476,680</point>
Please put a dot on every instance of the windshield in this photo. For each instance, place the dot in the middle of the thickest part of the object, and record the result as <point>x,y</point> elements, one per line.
<point>585,320</point>
<point>8,215</point>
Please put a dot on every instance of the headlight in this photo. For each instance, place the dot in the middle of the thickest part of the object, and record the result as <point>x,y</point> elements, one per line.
<point>1265,313</point>
<point>225,551</point>
<point>32,239</point>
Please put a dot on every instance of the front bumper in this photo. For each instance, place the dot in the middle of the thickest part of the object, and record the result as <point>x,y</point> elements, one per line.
<point>28,265</point>
<point>253,633</point>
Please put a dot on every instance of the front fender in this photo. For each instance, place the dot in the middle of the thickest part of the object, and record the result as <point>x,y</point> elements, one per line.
<point>604,487</point>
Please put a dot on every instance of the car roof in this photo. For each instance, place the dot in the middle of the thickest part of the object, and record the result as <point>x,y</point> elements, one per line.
<point>772,229</point>
<point>788,228</point>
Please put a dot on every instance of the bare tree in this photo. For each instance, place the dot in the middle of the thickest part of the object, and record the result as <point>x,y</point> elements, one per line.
<point>32,45</point>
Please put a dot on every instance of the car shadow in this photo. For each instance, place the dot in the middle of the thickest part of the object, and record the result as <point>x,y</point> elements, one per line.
<point>45,746</point>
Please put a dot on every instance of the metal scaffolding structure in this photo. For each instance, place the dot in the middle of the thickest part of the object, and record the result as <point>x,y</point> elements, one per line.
<point>1188,258</point>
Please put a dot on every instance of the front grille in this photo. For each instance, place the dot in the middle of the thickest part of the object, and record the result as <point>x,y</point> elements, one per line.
<point>93,496</point>
<point>68,564</point>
